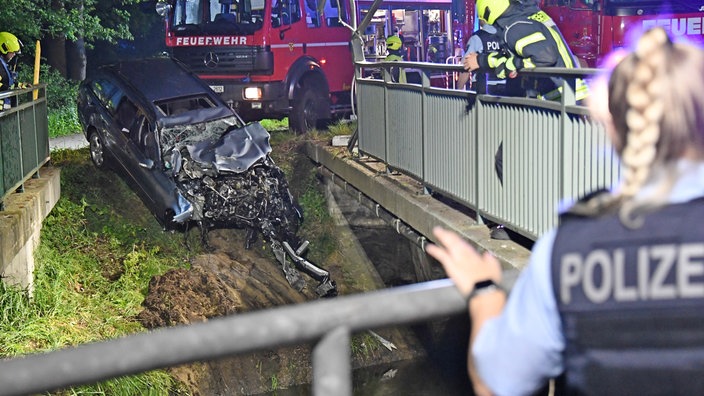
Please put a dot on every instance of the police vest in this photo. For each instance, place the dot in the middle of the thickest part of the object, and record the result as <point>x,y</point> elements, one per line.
<point>631,302</point>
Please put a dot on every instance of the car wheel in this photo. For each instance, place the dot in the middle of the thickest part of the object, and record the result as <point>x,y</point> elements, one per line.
<point>97,150</point>
<point>306,111</point>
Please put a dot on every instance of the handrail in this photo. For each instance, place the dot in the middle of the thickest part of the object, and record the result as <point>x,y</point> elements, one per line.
<point>327,323</point>
<point>450,140</point>
<point>24,144</point>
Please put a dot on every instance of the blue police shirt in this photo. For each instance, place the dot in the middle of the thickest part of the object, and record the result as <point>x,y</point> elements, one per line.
<point>516,352</point>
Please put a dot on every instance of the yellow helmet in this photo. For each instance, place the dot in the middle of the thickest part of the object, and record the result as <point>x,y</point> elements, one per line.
<point>393,43</point>
<point>9,43</point>
<point>491,10</point>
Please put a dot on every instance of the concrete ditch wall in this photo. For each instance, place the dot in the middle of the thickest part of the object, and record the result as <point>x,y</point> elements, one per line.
<point>21,223</point>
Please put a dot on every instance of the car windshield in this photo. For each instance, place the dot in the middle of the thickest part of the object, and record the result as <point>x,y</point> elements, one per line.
<point>197,17</point>
<point>182,135</point>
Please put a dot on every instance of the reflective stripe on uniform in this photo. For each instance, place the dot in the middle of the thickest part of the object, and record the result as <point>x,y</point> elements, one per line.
<point>495,60</point>
<point>556,94</point>
<point>528,40</point>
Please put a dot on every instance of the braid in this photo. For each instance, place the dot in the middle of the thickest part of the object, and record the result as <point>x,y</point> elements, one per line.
<point>645,109</point>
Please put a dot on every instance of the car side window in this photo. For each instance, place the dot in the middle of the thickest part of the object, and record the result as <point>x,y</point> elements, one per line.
<point>126,113</point>
<point>147,139</point>
<point>105,91</point>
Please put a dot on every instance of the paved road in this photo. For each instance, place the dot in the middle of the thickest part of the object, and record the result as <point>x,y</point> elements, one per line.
<point>72,142</point>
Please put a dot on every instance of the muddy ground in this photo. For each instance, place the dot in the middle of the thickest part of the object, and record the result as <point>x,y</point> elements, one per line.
<point>231,280</point>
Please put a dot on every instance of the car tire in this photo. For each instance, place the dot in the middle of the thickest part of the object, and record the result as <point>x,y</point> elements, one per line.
<point>305,113</point>
<point>97,150</point>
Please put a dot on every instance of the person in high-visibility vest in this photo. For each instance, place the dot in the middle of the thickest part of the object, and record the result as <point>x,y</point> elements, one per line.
<point>530,39</point>
<point>395,54</point>
<point>612,299</point>
<point>10,46</point>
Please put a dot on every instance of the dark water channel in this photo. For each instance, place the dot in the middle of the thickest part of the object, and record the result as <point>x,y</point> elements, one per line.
<point>444,341</point>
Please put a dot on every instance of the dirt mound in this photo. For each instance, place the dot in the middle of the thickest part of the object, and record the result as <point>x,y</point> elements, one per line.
<point>229,280</point>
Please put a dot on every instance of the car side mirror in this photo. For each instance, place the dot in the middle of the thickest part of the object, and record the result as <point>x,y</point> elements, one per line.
<point>147,164</point>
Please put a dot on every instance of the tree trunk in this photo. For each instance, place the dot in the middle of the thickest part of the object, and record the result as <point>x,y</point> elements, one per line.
<point>76,59</point>
<point>54,49</point>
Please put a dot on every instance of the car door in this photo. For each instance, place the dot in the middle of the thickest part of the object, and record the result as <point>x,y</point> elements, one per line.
<point>159,190</point>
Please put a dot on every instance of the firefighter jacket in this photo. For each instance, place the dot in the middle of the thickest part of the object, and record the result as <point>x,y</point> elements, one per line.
<point>397,73</point>
<point>531,39</point>
<point>631,302</point>
<point>7,80</point>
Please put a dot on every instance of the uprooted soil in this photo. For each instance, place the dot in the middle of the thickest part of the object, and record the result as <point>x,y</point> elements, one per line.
<point>231,280</point>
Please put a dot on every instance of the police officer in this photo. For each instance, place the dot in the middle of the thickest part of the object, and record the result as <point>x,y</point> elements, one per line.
<point>483,40</point>
<point>530,39</point>
<point>613,298</point>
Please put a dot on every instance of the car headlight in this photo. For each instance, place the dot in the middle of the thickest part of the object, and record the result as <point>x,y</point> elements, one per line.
<point>253,93</point>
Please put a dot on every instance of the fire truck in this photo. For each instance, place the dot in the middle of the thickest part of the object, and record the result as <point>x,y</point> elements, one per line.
<point>267,58</point>
<point>593,28</point>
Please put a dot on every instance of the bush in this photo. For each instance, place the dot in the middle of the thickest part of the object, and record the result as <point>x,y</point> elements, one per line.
<point>61,97</point>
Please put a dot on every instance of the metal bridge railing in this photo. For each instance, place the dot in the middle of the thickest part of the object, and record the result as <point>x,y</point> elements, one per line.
<point>448,139</point>
<point>326,324</point>
<point>24,137</point>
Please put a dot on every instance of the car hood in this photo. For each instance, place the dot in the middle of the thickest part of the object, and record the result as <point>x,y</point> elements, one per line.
<point>235,151</point>
<point>216,145</point>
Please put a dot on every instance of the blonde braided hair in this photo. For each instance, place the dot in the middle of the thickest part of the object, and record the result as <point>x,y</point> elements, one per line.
<point>655,101</point>
<point>645,109</point>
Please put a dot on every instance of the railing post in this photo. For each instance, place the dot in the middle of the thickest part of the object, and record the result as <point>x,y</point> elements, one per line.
<point>569,87</point>
<point>332,370</point>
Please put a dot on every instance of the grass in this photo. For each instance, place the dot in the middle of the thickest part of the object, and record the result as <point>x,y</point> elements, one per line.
<point>99,249</point>
<point>93,267</point>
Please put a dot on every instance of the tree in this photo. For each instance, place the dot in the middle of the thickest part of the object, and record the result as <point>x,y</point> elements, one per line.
<point>66,28</point>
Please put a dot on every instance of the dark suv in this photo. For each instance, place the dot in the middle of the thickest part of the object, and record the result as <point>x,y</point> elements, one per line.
<point>189,156</point>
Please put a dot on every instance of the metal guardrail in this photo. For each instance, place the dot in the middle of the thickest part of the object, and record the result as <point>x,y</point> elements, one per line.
<point>327,324</point>
<point>24,137</point>
<point>448,140</point>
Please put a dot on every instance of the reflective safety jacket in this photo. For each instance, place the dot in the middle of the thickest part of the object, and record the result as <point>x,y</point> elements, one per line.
<point>397,73</point>
<point>631,302</point>
<point>532,40</point>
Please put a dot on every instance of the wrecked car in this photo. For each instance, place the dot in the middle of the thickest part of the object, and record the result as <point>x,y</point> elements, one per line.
<point>191,159</point>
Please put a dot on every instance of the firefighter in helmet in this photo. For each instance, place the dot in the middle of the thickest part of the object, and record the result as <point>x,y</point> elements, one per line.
<point>10,46</point>
<point>395,54</point>
<point>530,39</point>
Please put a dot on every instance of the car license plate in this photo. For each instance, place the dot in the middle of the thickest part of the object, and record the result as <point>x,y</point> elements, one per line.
<point>217,88</point>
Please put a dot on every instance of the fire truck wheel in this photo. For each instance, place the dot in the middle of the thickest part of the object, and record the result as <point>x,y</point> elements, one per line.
<point>305,113</point>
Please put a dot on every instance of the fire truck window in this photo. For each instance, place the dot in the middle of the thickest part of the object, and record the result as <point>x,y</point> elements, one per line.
<point>312,17</point>
<point>187,12</point>
<point>285,12</point>
<point>333,11</point>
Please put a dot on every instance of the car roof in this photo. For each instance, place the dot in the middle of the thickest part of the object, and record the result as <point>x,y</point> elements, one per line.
<point>158,80</point>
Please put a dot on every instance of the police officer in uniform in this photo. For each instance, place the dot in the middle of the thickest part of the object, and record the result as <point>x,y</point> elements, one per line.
<point>484,40</point>
<point>613,298</point>
<point>530,39</point>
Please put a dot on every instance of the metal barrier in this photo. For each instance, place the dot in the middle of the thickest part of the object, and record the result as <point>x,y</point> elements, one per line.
<point>327,324</point>
<point>449,139</point>
<point>24,137</point>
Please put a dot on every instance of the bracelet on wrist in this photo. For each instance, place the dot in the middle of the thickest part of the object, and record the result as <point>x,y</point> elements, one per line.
<point>483,287</point>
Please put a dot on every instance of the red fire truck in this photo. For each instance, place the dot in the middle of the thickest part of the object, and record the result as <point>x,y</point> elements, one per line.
<point>267,58</point>
<point>593,28</point>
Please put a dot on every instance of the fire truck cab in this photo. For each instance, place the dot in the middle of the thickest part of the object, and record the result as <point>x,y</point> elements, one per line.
<point>593,28</point>
<point>267,58</point>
